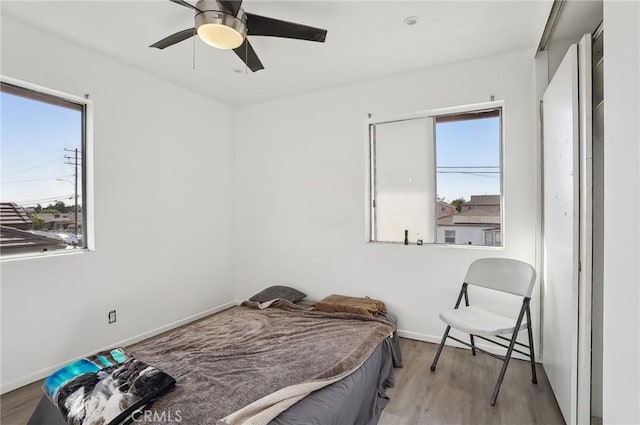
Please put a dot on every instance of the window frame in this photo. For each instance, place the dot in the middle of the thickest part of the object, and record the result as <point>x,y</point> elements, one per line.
<point>370,162</point>
<point>495,233</point>
<point>450,236</point>
<point>62,99</point>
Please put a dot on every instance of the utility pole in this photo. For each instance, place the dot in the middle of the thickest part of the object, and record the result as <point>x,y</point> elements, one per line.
<point>73,160</point>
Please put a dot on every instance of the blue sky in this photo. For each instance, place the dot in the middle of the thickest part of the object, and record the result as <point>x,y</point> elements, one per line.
<point>472,143</point>
<point>34,136</point>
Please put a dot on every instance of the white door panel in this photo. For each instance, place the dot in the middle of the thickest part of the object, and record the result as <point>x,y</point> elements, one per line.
<point>561,230</point>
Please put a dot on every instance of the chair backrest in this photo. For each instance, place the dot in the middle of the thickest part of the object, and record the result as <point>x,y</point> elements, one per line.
<point>502,274</point>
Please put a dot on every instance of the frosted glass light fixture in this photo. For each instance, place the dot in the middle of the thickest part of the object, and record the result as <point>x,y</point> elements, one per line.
<point>218,28</point>
<point>220,36</point>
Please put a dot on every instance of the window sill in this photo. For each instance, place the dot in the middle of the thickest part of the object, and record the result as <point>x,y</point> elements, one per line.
<point>440,245</point>
<point>21,257</point>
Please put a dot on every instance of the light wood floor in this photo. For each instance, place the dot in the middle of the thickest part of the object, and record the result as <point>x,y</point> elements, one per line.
<point>457,392</point>
<point>18,405</point>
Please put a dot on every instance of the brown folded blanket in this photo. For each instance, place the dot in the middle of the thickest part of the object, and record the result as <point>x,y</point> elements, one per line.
<point>341,303</point>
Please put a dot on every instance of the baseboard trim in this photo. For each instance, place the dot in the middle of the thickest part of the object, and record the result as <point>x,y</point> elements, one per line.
<point>419,336</point>
<point>436,340</point>
<point>42,373</point>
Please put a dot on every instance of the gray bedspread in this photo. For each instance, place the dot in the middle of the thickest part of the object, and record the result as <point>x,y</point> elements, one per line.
<point>256,360</point>
<point>243,356</point>
<point>358,399</point>
<point>396,352</point>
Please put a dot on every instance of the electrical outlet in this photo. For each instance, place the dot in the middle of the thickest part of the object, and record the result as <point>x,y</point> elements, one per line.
<point>112,316</point>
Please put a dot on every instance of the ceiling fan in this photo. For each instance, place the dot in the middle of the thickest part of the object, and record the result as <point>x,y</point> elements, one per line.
<point>224,24</point>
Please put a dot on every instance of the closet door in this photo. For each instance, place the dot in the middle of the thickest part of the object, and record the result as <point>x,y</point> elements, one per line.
<point>567,231</point>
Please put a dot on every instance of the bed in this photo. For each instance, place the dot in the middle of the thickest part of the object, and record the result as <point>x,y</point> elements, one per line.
<point>273,363</point>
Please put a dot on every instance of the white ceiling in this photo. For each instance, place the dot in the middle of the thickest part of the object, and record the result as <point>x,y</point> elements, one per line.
<point>366,39</point>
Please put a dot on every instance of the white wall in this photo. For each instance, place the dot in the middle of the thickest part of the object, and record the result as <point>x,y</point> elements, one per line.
<point>300,190</point>
<point>621,330</point>
<point>162,213</point>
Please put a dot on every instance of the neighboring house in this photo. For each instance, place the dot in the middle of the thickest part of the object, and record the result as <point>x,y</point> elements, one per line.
<point>13,215</point>
<point>443,209</point>
<point>16,241</point>
<point>15,237</point>
<point>61,221</point>
<point>485,202</point>
<point>478,223</point>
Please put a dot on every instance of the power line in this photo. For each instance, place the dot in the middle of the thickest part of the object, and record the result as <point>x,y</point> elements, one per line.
<point>472,173</point>
<point>22,170</point>
<point>469,166</point>
<point>37,201</point>
<point>36,180</point>
<point>24,161</point>
<point>469,172</point>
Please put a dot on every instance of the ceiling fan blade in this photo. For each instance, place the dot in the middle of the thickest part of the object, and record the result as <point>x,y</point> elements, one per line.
<point>174,38</point>
<point>233,6</point>
<point>185,4</point>
<point>261,25</point>
<point>249,56</point>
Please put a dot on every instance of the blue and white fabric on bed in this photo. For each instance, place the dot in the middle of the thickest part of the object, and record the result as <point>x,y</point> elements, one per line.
<point>106,388</point>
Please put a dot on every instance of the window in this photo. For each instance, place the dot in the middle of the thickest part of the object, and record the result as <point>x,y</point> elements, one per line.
<point>437,177</point>
<point>492,237</point>
<point>449,236</point>
<point>43,177</point>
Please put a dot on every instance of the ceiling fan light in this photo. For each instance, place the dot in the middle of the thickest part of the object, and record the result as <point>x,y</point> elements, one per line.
<point>220,36</point>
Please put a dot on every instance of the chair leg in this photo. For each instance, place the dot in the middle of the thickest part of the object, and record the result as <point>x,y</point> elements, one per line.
<point>466,302</point>
<point>532,358</point>
<point>505,363</point>
<point>437,357</point>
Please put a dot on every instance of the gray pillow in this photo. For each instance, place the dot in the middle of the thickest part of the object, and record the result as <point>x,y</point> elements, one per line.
<point>278,291</point>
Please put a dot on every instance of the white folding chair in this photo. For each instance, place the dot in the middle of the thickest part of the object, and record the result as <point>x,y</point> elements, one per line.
<point>501,274</point>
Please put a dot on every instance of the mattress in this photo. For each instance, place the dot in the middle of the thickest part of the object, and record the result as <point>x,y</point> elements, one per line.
<point>356,399</point>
